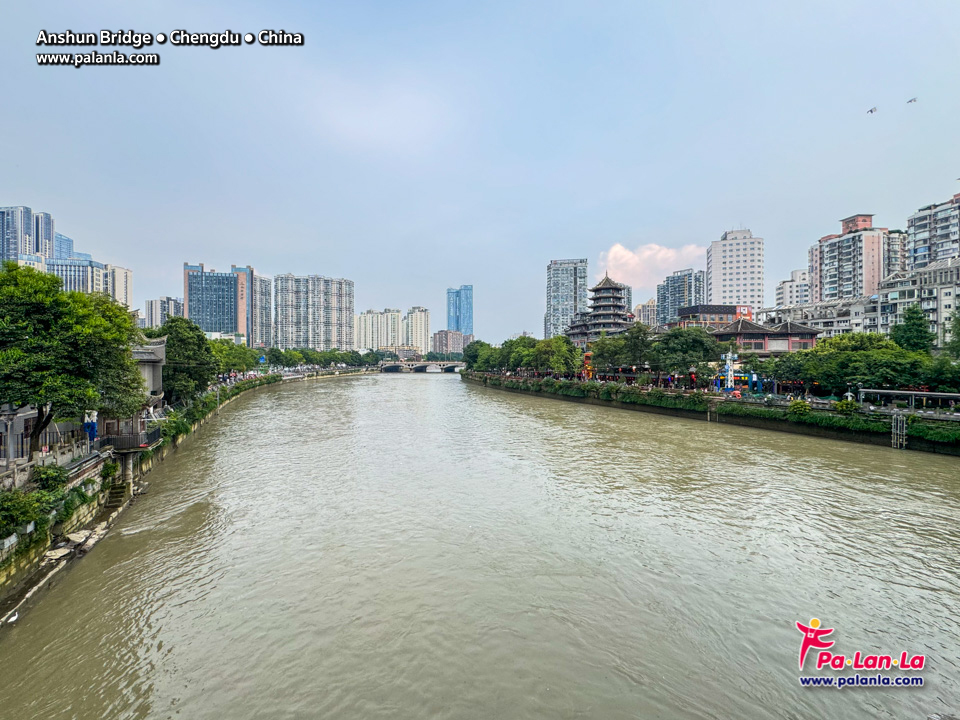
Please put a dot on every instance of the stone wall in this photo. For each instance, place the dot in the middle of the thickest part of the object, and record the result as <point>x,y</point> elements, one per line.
<point>17,571</point>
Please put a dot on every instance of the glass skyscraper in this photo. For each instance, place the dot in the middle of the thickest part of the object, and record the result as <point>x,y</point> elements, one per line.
<point>210,299</point>
<point>460,309</point>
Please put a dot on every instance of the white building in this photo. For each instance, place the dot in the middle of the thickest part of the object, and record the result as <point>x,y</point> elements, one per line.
<point>118,284</point>
<point>157,311</point>
<point>647,312</point>
<point>314,312</point>
<point>795,291</point>
<point>374,330</point>
<point>566,295</point>
<point>86,276</point>
<point>735,269</point>
<point>261,329</point>
<point>416,329</point>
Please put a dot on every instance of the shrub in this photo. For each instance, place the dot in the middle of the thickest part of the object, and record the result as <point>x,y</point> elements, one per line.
<point>17,508</point>
<point>49,477</point>
<point>842,422</point>
<point>798,409</point>
<point>735,408</point>
<point>109,470</point>
<point>847,407</point>
<point>939,432</point>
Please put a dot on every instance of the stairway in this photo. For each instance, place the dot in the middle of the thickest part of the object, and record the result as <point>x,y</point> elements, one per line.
<point>120,493</point>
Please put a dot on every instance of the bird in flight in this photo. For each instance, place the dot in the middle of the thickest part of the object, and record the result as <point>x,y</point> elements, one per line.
<point>871,111</point>
<point>911,100</point>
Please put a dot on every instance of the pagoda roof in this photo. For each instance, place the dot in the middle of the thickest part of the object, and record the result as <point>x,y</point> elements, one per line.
<point>607,283</point>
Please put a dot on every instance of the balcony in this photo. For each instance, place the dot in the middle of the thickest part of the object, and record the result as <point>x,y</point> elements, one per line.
<point>132,441</point>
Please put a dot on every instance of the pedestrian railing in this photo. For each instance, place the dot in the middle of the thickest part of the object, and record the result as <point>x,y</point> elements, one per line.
<point>132,441</point>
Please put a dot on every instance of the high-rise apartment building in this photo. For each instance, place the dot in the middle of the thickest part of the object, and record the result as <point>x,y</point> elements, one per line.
<point>933,233</point>
<point>375,329</point>
<point>416,329</point>
<point>232,303</point>
<point>853,263</point>
<point>795,291</point>
<point>157,311</point>
<point>447,341</point>
<point>735,269</point>
<point>43,234</point>
<point>311,311</point>
<point>256,293</point>
<point>681,289</point>
<point>460,309</point>
<point>262,312</point>
<point>118,284</point>
<point>647,312</point>
<point>16,232</point>
<point>566,295</point>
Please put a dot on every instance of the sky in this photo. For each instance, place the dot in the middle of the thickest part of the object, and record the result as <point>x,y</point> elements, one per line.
<point>415,146</point>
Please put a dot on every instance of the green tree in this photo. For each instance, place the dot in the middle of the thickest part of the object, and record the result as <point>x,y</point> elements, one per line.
<point>111,333</point>
<point>914,332</point>
<point>370,358</point>
<point>191,365</point>
<point>683,348</point>
<point>854,341</point>
<point>63,353</point>
<point>952,346</point>
<point>291,358</point>
<point>638,345</point>
<point>488,358</point>
<point>608,352</point>
<point>275,356</point>
<point>472,352</point>
<point>556,354</point>
<point>233,357</point>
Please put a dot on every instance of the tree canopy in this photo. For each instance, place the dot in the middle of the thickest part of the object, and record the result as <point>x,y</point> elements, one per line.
<point>914,332</point>
<point>952,346</point>
<point>64,353</point>
<point>191,364</point>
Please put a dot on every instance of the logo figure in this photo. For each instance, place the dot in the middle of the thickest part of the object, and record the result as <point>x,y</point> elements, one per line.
<point>813,637</point>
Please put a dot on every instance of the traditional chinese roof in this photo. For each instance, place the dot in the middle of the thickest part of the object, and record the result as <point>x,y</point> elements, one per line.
<point>606,283</point>
<point>795,328</point>
<point>743,326</point>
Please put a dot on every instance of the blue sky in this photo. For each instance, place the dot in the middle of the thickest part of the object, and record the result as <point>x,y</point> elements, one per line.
<point>412,146</point>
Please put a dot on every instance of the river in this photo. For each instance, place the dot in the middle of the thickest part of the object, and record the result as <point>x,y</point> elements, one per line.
<point>413,546</point>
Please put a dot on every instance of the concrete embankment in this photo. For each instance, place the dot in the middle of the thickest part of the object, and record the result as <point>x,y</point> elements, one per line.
<point>702,407</point>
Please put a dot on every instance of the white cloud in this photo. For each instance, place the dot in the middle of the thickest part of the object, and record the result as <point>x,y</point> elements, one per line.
<point>647,266</point>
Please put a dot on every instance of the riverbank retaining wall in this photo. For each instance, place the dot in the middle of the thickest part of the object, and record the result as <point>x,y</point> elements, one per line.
<point>709,414</point>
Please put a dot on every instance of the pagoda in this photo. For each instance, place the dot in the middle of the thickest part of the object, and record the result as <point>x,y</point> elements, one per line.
<point>609,313</point>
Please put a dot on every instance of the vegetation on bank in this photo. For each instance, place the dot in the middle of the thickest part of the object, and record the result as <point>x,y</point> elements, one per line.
<point>839,417</point>
<point>831,368</point>
<point>557,355</point>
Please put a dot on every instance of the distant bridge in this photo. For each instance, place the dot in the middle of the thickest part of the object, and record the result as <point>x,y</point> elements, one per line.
<point>420,366</point>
